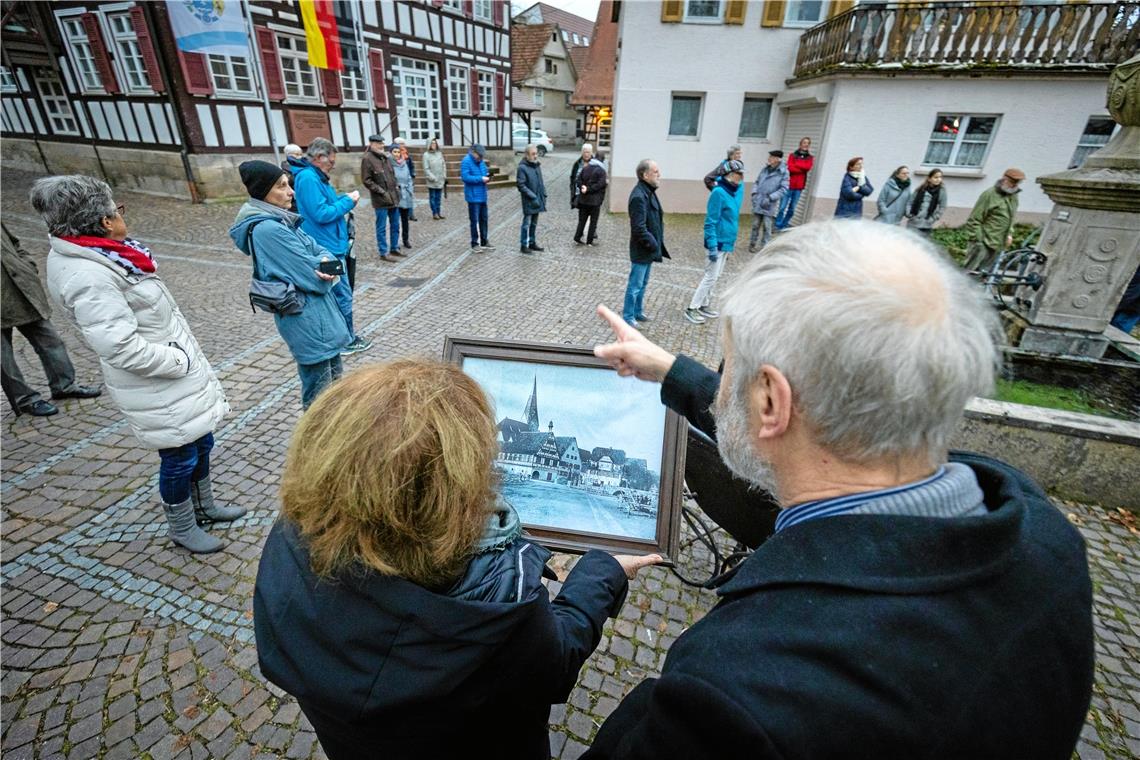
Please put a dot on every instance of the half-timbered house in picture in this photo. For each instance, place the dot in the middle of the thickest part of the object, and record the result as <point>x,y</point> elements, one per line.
<point>102,88</point>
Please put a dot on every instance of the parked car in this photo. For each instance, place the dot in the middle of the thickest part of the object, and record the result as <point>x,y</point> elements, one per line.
<point>520,138</point>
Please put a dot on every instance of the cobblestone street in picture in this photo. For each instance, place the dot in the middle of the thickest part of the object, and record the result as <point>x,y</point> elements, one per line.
<point>117,644</point>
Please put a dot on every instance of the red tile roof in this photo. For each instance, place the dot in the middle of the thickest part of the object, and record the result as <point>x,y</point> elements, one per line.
<point>566,21</point>
<point>527,43</point>
<point>596,77</point>
<point>578,55</point>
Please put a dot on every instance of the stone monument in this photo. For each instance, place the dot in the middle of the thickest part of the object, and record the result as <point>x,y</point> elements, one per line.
<point>1092,238</point>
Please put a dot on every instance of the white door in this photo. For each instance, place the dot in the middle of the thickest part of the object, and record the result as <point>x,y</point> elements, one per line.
<point>798,124</point>
<point>418,112</point>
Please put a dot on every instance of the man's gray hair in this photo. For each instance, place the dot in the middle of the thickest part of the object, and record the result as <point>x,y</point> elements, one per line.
<point>589,147</point>
<point>732,149</point>
<point>643,167</point>
<point>293,149</point>
<point>883,340</point>
<point>73,204</point>
<point>320,147</point>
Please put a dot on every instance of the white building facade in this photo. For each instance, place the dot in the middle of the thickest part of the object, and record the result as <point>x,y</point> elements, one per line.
<point>970,89</point>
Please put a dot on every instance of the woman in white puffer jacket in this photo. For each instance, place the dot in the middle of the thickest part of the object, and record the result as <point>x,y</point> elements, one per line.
<point>154,369</point>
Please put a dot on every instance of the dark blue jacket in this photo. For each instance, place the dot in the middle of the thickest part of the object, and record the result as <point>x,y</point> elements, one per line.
<point>850,204</point>
<point>322,208</point>
<point>533,190</point>
<point>646,226</point>
<point>472,173</point>
<point>880,636</point>
<point>383,667</point>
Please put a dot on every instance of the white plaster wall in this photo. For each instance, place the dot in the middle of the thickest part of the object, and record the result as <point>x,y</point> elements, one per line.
<point>723,61</point>
<point>888,122</point>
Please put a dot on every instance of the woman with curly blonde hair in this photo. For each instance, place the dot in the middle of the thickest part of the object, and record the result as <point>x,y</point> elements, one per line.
<point>396,598</point>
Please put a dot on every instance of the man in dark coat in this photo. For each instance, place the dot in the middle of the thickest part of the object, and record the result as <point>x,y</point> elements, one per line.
<point>24,306</point>
<point>592,181</point>
<point>911,603</point>
<point>646,240</point>
<point>533,192</point>
<point>377,174</point>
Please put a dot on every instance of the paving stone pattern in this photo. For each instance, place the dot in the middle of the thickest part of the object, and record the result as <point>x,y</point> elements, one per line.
<point>116,644</point>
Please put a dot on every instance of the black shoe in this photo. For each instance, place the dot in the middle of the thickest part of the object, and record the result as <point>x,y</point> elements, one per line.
<point>643,318</point>
<point>441,216</point>
<point>524,249</point>
<point>79,391</point>
<point>39,408</point>
<point>408,245</point>
<point>487,247</point>
<point>538,248</point>
<point>578,242</point>
<point>387,259</point>
<point>412,218</point>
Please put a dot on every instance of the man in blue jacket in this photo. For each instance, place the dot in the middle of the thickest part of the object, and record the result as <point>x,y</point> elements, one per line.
<point>722,221</point>
<point>475,175</point>
<point>912,602</point>
<point>323,212</point>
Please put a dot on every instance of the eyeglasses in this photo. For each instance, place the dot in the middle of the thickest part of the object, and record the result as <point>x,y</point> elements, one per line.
<point>120,209</point>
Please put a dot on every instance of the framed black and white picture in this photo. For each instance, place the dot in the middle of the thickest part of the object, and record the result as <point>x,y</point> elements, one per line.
<point>590,460</point>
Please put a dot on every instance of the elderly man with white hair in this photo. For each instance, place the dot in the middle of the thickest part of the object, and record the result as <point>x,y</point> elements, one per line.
<point>911,602</point>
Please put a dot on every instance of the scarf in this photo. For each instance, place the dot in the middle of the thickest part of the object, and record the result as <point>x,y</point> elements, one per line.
<point>731,187</point>
<point>902,184</point>
<point>503,527</point>
<point>131,255</point>
<point>802,154</point>
<point>935,192</point>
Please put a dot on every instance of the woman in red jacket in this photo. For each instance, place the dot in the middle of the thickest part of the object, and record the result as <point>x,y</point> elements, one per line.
<point>799,164</point>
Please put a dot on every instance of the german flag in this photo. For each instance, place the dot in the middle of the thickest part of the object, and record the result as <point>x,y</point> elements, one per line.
<point>325,33</point>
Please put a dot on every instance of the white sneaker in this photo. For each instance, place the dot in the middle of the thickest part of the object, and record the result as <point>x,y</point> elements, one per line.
<point>695,316</point>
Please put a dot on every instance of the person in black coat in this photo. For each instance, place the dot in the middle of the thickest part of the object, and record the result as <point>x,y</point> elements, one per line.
<point>592,181</point>
<point>911,603</point>
<point>532,190</point>
<point>646,240</point>
<point>397,600</point>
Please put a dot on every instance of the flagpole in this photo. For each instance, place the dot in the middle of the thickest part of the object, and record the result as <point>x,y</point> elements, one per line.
<point>255,66</point>
<point>365,67</point>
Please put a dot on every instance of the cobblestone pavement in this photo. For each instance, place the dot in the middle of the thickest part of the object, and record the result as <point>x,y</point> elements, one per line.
<point>117,645</point>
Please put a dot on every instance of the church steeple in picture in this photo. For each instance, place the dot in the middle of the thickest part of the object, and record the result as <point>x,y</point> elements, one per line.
<point>531,411</point>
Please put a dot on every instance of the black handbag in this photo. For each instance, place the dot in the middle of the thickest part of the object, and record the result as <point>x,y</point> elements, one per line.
<point>274,297</point>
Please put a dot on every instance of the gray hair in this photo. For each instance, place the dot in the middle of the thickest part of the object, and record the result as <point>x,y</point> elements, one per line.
<point>643,166</point>
<point>589,147</point>
<point>320,147</point>
<point>732,149</point>
<point>73,204</point>
<point>293,149</point>
<point>882,339</point>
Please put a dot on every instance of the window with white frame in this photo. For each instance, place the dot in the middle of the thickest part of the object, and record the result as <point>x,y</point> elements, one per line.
<point>75,37</point>
<point>482,10</point>
<point>754,117</point>
<point>300,78</point>
<point>459,88</point>
<point>704,11</point>
<point>231,75</point>
<point>453,5</point>
<point>960,140</point>
<point>1098,131</point>
<point>539,98</point>
<point>58,107</point>
<point>486,92</point>
<point>352,85</point>
<point>803,12</point>
<point>7,80</point>
<point>685,116</point>
<point>126,45</point>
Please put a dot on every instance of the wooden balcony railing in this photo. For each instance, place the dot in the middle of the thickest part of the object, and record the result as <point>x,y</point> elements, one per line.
<point>956,35</point>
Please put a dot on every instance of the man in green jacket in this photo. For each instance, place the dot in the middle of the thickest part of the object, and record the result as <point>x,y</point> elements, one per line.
<point>990,226</point>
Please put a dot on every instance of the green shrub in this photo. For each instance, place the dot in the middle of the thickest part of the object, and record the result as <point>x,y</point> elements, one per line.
<point>954,239</point>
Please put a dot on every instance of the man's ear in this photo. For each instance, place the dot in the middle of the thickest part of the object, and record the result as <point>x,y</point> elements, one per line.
<point>770,402</point>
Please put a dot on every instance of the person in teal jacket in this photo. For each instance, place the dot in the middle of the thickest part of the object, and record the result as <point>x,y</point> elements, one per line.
<point>323,212</point>
<point>722,222</point>
<point>285,253</point>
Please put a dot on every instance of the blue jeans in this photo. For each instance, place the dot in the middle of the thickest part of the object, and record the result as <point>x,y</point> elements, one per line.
<point>787,208</point>
<point>635,292</point>
<point>477,215</point>
<point>342,293</point>
<point>528,230</point>
<point>435,200</point>
<point>389,217</point>
<point>181,466</point>
<point>314,378</point>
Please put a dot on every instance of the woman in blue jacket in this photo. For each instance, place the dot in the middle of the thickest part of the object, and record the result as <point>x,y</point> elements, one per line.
<point>396,598</point>
<point>722,221</point>
<point>854,188</point>
<point>266,230</point>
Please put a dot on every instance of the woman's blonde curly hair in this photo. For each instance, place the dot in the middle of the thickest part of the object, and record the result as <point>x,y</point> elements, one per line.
<point>391,469</point>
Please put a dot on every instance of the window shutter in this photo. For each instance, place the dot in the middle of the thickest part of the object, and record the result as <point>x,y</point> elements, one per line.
<point>671,11</point>
<point>501,92</point>
<point>774,11</point>
<point>839,6</point>
<point>469,8</point>
<point>379,83</point>
<point>270,64</point>
<point>196,73</point>
<point>474,92</point>
<point>437,3</point>
<point>734,11</point>
<point>330,83</point>
<point>146,48</point>
<point>99,52</point>
<point>497,12</point>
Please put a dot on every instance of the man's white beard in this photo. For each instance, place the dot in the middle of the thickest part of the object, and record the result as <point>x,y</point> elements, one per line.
<point>735,449</point>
